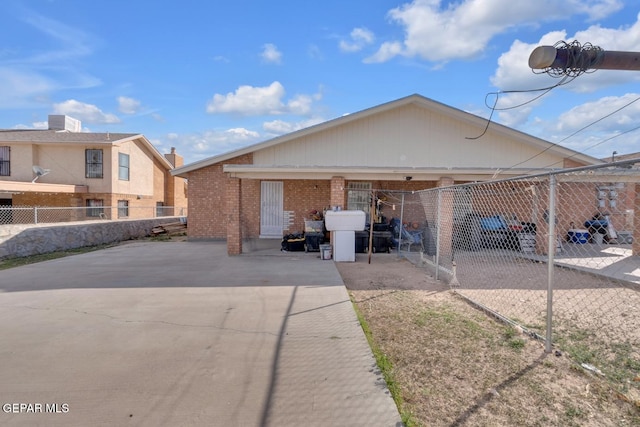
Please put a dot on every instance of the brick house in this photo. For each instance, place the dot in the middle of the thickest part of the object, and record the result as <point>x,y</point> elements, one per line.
<point>64,167</point>
<point>413,143</point>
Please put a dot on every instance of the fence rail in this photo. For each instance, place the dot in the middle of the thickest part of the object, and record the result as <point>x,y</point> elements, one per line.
<point>556,254</point>
<point>43,214</point>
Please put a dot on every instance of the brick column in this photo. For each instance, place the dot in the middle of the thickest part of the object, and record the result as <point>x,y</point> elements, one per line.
<point>338,192</point>
<point>234,226</point>
<point>446,217</point>
<point>635,249</point>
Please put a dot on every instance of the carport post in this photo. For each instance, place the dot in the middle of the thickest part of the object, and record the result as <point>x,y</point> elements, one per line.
<point>400,229</point>
<point>234,218</point>
<point>552,241</point>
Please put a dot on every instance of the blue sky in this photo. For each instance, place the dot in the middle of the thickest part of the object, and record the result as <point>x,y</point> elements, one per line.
<point>207,77</point>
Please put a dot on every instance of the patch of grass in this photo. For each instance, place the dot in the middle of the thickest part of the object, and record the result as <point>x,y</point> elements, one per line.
<point>624,367</point>
<point>386,367</point>
<point>573,412</point>
<point>33,259</point>
<point>431,315</point>
<point>438,318</point>
<point>580,353</point>
<point>516,344</point>
<point>513,339</point>
<point>617,361</point>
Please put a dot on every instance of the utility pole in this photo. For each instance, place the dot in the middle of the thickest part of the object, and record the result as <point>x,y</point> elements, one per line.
<point>573,59</point>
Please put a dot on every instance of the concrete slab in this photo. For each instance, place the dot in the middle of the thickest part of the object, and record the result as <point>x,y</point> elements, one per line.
<point>152,333</point>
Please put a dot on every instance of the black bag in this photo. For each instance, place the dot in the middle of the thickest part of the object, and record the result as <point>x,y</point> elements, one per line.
<point>293,243</point>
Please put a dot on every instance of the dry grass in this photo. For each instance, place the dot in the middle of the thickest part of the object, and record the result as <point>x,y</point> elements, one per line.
<point>453,365</point>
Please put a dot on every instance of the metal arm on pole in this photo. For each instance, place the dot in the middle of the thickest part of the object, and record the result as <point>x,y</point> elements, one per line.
<point>574,59</point>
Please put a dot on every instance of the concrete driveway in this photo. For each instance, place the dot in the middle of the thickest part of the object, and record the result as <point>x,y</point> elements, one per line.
<point>151,333</point>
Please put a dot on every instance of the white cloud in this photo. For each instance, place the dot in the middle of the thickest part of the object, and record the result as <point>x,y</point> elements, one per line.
<point>438,33</point>
<point>214,142</point>
<point>128,105</point>
<point>359,38</point>
<point>211,143</point>
<point>84,112</point>
<point>591,112</point>
<point>249,100</point>
<point>300,104</point>
<point>586,128</point>
<point>280,127</point>
<point>271,54</point>
<point>267,100</point>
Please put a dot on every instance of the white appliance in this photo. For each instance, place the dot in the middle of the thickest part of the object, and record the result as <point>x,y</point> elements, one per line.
<point>343,226</point>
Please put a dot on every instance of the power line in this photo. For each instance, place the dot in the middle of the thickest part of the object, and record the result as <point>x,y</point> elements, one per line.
<point>494,108</point>
<point>596,144</point>
<point>580,130</point>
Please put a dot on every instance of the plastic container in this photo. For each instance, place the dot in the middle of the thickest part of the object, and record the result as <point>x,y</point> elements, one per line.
<point>625,237</point>
<point>325,252</point>
<point>578,236</point>
<point>598,239</point>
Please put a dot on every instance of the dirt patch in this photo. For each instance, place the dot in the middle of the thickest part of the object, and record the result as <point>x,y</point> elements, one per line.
<point>454,365</point>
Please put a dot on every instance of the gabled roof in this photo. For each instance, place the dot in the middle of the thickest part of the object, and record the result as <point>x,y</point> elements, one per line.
<point>412,99</point>
<point>34,136</point>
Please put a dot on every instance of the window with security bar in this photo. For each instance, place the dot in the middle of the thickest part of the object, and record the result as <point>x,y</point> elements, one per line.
<point>95,208</point>
<point>93,163</point>
<point>5,161</point>
<point>123,208</point>
<point>359,196</point>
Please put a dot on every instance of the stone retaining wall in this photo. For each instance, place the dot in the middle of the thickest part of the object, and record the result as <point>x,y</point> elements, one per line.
<point>25,240</point>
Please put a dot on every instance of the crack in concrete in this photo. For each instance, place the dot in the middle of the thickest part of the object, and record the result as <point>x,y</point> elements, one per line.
<point>162,322</point>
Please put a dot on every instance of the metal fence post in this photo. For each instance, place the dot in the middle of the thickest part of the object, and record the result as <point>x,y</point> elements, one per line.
<point>400,228</point>
<point>35,214</point>
<point>551,249</point>
<point>438,228</point>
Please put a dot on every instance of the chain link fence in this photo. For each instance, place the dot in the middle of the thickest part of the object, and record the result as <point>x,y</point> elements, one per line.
<point>42,215</point>
<point>552,254</point>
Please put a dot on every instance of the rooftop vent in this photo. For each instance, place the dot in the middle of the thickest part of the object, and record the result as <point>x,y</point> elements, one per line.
<point>61,122</point>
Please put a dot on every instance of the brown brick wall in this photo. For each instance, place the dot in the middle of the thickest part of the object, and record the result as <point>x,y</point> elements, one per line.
<point>304,196</point>
<point>250,212</point>
<point>234,214</point>
<point>47,199</point>
<point>207,200</point>
<point>338,193</point>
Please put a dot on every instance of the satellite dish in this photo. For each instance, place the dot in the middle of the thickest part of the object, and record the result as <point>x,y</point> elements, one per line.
<point>39,172</point>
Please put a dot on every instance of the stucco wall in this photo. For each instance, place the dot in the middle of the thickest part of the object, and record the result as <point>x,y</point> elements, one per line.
<point>25,240</point>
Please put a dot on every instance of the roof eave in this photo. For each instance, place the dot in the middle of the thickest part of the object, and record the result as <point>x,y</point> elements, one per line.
<point>411,99</point>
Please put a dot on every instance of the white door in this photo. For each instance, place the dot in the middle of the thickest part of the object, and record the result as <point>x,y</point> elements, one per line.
<point>271,209</point>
